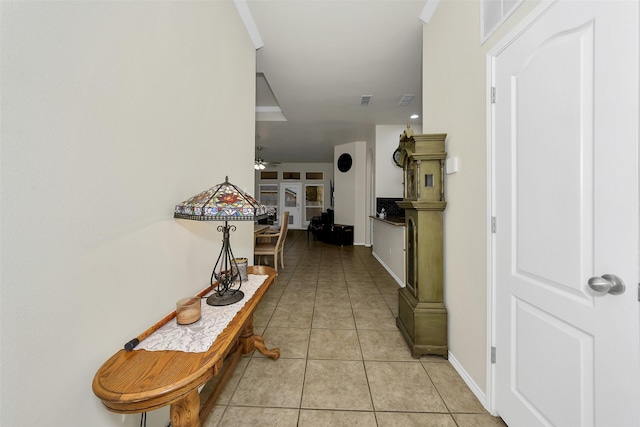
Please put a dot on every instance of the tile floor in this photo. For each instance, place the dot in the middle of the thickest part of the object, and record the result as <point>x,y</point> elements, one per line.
<point>343,362</point>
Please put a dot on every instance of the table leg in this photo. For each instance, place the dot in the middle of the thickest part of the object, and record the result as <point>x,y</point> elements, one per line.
<point>250,341</point>
<point>258,342</point>
<point>186,411</point>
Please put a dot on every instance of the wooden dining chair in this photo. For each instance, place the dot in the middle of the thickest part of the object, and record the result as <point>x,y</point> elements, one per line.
<point>265,244</point>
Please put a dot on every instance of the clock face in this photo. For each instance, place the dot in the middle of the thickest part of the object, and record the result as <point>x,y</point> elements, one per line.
<point>396,157</point>
<point>344,162</point>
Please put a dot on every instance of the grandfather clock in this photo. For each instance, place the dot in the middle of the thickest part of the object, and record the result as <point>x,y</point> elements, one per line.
<point>422,316</point>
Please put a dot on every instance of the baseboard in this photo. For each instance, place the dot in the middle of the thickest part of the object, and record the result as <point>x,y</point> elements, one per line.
<point>386,267</point>
<point>477,391</point>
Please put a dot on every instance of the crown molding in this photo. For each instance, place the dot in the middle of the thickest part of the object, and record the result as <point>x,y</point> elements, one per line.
<point>428,11</point>
<point>247,18</point>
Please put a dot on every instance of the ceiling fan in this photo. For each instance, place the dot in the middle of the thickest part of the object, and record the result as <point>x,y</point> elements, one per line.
<point>260,163</point>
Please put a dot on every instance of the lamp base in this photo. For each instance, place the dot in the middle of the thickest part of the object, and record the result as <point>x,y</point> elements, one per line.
<point>227,298</point>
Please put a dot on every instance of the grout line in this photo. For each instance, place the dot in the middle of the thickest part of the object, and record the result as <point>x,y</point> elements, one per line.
<point>303,256</point>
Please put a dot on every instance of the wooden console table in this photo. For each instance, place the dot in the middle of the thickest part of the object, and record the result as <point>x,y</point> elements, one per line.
<point>140,381</point>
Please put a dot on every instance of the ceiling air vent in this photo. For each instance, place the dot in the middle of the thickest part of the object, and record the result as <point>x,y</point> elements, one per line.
<point>365,100</point>
<point>406,99</point>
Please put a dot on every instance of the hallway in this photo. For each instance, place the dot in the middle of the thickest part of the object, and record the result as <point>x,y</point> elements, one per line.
<point>331,311</point>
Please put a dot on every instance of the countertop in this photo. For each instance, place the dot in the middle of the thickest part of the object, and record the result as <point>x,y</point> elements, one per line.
<point>391,220</point>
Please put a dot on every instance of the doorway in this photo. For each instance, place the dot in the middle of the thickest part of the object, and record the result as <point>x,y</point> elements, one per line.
<point>565,207</point>
<point>290,196</point>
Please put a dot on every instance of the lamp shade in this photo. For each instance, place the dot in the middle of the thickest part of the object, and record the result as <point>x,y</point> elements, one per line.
<point>222,202</point>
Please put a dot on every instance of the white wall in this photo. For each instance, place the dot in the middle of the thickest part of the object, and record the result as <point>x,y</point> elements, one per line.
<point>350,197</point>
<point>389,177</point>
<point>112,112</point>
<point>388,240</point>
<point>389,248</point>
<point>361,197</point>
<point>454,102</point>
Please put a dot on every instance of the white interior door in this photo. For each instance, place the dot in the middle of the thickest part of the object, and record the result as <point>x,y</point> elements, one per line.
<point>291,197</point>
<point>566,205</point>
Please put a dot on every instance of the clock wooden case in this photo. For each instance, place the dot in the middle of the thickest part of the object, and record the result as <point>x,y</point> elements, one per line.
<point>422,316</point>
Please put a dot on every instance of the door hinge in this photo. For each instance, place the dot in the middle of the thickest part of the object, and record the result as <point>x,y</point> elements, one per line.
<point>493,94</point>
<point>493,224</point>
<point>493,355</point>
<point>638,291</point>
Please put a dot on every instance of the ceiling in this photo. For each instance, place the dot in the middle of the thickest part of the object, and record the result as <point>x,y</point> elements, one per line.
<point>319,57</point>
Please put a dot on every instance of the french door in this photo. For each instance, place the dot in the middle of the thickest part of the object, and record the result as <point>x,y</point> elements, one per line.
<point>291,200</point>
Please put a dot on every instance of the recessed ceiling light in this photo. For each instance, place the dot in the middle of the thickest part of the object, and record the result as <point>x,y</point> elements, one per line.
<point>414,116</point>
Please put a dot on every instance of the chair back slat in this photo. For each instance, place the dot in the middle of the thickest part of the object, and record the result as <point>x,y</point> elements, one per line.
<point>283,229</point>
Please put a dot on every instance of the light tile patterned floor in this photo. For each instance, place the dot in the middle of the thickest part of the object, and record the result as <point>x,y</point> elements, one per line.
<point>343,362</point>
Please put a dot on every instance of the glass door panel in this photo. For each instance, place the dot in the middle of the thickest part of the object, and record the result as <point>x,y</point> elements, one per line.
<point>314,201</point>
<point>290,193</point>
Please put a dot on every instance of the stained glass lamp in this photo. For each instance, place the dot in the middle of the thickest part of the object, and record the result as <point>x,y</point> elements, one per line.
<point>223,202</point>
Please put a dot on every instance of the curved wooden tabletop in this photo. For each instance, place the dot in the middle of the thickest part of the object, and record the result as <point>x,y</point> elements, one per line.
<point>139,381</point>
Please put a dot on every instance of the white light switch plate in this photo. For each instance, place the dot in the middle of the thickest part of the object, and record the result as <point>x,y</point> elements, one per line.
<point>451,165</point>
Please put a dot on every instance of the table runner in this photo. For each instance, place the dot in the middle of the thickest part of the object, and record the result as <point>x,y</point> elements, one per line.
<point>198,337</point>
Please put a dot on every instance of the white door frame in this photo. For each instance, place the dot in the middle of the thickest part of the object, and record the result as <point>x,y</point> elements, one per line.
<point>295,222</point>
<point>371,191</point>
<point>491,279</point>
